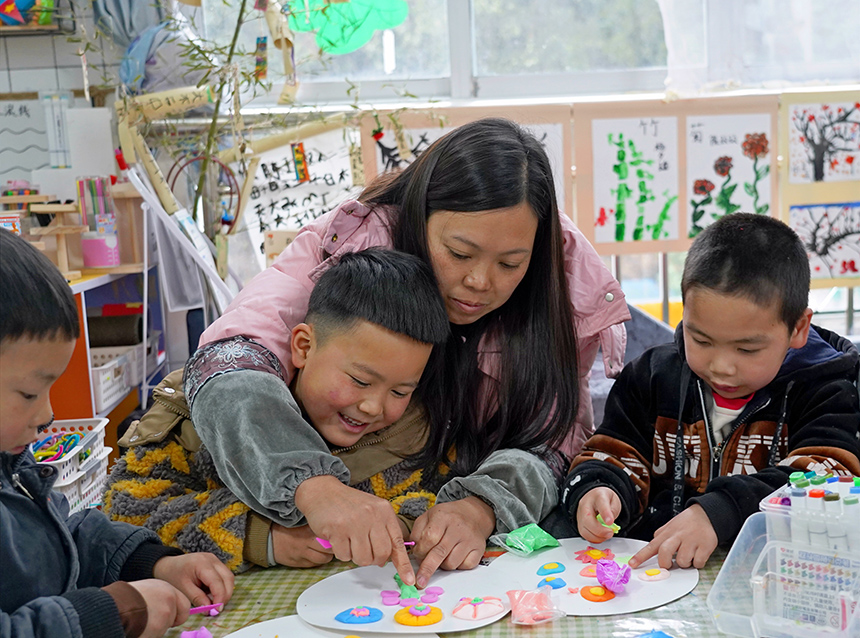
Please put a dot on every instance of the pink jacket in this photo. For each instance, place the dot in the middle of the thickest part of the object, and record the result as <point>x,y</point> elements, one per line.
<point>276,300</point>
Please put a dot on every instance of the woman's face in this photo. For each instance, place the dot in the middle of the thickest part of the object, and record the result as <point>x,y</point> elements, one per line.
<point>480,258</point>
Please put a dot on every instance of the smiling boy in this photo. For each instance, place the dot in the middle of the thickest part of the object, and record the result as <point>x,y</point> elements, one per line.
<point>697,432</point>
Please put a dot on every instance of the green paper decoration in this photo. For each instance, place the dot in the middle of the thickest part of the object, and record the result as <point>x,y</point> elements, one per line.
<point>343,27</point>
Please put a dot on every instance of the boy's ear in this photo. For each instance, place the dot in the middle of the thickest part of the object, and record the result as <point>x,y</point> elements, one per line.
<point>801,330</point>
<point>301,342</point>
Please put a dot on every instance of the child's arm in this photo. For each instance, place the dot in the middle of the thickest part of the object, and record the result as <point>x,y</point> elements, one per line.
<point>510,489</point>
<point>360,527</point>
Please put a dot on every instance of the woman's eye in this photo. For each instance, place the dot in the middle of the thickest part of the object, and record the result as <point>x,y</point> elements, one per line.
<point>400,395</point>
<point>509,266</point>
<point>457,255</point>
<point>359,382</point>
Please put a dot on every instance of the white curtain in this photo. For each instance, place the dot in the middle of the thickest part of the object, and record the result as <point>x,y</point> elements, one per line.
<point>724,44</point>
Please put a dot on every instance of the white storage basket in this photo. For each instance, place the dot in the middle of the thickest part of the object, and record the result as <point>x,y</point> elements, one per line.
<point>109,382</point>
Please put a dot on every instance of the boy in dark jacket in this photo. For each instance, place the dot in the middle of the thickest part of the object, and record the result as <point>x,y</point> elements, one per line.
<point>697,432</point>
<point>80,575</point>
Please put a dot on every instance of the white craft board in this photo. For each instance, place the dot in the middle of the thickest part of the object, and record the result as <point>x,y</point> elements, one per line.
<point>519,572</point>
<point>320,603</point>
<point>293,626</point>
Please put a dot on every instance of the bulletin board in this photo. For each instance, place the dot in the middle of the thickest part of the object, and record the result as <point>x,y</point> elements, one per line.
<point>650,175</point>
<point>820,175</point>
<point>408,134</point>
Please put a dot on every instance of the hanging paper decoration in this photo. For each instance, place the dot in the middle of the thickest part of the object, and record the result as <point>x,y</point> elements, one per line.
<point>11,11</point>
<point>300,162</point>
<point>344,27</point>
<point>261,61</point>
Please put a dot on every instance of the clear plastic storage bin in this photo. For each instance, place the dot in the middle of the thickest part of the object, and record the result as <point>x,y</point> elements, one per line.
<point>771,586</point>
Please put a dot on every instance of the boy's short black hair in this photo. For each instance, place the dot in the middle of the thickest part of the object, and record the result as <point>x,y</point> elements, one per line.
<point>385,287</point>
<point>752,256</point>
<point>35,300</point>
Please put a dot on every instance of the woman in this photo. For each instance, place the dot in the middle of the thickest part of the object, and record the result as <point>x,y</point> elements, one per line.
<point>529,301</point>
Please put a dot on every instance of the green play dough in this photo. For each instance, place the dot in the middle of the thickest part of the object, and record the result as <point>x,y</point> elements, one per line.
<point>406,591</point>
<point>530,538</point>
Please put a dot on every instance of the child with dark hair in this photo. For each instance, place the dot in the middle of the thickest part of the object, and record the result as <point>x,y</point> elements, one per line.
<point>62,575</point>
<point>362,359</point>
<point>762,393</point>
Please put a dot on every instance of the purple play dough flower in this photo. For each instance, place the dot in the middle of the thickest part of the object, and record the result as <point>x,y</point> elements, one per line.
<point>612,575</point>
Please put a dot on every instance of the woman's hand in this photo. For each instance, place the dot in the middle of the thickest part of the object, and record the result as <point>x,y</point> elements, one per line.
<point>452,536</point>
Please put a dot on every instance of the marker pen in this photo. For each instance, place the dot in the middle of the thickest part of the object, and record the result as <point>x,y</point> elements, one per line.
<point>779,526</point>
<point>836,537</point>
<point>799,530</point>
<point>804,484</point>
<point>857,481</point>
<point>816,523</point>
<point>851,520</point>
<point>809,475</point>
<point>817,481</point>
<point>855,490</point>
<point>795,477</point>
<point>844,487</point>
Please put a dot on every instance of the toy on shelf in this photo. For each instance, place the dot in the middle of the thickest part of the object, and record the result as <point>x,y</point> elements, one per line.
<point>65,222</point>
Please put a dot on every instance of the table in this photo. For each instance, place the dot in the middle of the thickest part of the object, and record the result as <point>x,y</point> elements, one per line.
<point>263,594</point>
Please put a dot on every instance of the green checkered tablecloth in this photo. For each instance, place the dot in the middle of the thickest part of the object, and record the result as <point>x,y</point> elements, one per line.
<point>263,594</point>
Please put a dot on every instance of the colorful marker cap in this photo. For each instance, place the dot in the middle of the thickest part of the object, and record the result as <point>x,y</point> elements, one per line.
<point>818,480</point>
<point>809,475</point>
<point>855,490</point>
<point>803,484</point>
<point>796,476</point>
<point>851,500</point>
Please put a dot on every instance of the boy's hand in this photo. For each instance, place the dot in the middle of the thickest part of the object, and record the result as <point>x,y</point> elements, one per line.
<point>166,606</point>
<point>297,547</point>
<point>689,537</point>
<point>600,500</point>
<point>194,574</point>
<point>452,536</point>
<point>361,527</point>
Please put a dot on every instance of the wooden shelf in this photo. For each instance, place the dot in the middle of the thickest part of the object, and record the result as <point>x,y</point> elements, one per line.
<point>29,29</point>
<point>24,199</point>
<point>122,269</point>
<point>59,230</point>
<point>53,208</point>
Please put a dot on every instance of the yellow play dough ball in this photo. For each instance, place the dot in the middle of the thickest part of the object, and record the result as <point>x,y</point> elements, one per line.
<point>652,572</point>
<point>551,565</point>
<point>598,591</point>
<point>405,617</point>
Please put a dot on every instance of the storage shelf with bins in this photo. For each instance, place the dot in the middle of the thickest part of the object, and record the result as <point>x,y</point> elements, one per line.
<point>98,389</point>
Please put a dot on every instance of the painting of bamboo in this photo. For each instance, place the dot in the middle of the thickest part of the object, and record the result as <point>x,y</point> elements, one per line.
<point>635,179</point>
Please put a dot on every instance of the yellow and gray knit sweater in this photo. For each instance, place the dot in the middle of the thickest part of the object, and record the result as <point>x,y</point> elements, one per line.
<point>166,481</point>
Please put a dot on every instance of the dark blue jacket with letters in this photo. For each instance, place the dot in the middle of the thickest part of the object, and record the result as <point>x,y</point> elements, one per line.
<point>53,566</point>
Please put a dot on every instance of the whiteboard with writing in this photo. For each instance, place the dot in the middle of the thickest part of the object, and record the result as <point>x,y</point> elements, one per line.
<point>23,139</point>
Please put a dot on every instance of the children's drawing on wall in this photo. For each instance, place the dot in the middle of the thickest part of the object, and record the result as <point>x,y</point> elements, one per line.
<point>23,139</point>
<point>824,142</point>
<point>831,235</point>
<point>635,179</point>
<point>725,152</point>
<point>396,148</point>
<point>297,183</point>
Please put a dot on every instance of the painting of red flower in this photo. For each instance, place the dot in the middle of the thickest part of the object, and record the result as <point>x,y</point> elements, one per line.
<point>755,145</point>
<point>723,165</point>
<point>702,187</point>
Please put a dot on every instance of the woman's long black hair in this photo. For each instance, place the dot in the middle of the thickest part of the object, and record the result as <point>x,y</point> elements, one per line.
<point>489,164</point>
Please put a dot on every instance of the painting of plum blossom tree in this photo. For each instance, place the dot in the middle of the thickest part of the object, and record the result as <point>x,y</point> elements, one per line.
<point>824,142</point>
<point>831,235</point>
<point>723,153</point>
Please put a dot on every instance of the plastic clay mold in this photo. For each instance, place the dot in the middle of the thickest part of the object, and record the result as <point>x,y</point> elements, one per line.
<point>553,581</point>
<point>418,615</point>
<point>596,594</point>
<point>359,615</point>
<point>550,568</point>
<point>592,554</point>
<point>654,574</point>
<point>478,608</point>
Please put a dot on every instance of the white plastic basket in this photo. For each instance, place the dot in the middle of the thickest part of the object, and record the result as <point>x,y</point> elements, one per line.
<point>85,465</point>
<point>134,354</point>
<point>109,382</point>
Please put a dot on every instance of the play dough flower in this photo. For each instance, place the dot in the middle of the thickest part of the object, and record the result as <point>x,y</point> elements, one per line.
<point>592,554</point>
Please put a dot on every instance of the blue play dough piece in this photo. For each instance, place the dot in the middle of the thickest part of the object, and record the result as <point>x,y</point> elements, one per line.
<point>346,617</point>
<point>555,583</point>
<point>545,569</point>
